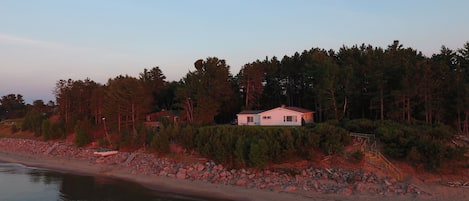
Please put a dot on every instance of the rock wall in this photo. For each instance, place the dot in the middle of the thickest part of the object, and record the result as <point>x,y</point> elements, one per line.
<point>321,180</point>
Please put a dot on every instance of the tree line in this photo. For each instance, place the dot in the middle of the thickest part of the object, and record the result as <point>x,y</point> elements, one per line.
<point>361,81</point>
<point>413,103</point>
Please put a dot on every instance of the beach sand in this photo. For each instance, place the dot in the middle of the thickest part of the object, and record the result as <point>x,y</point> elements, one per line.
<point>434,191</point>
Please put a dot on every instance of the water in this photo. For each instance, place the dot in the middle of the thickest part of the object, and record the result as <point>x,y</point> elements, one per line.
<point>22,183</point>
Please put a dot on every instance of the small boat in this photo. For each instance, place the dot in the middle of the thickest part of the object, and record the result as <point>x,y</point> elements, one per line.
<point>105,152</point>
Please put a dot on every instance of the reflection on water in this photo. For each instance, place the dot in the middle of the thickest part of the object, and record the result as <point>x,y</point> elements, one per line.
<point>18,182</point>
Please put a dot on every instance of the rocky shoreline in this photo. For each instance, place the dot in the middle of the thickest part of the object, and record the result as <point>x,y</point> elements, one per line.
<point>318,180</point>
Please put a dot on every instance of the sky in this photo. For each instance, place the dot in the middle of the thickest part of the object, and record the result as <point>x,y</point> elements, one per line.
<point>43,41</point>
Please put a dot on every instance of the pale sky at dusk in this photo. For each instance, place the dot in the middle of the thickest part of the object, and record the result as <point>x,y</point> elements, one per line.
<point>44,41</point>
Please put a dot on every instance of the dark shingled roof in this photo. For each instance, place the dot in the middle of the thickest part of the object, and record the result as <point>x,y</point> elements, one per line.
<point>251,111</point>
<point>299,109</point>
<point>296,109</point>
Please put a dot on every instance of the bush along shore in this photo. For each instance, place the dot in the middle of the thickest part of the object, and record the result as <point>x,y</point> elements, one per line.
<point>313,179</point>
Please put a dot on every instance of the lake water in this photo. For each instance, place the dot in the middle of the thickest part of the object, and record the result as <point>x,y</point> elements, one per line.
<point>21,183</point>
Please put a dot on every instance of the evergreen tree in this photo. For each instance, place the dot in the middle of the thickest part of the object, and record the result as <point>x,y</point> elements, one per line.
<point>126,103</point>
<point>251,77</point>
<point>206,92</point>
<point>154,84</point>
<point>12,106</point>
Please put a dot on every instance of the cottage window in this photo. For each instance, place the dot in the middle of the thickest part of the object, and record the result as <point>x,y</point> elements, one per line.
<point>250,119</point>
<point>289,118</point>
<point>266,117</point>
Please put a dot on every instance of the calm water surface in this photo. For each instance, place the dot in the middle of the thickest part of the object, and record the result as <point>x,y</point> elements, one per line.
<point>18,182</point>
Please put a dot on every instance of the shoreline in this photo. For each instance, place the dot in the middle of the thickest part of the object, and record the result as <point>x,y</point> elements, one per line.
<point>169,185</point>
<point>191,179</point>
<point>158,183</point>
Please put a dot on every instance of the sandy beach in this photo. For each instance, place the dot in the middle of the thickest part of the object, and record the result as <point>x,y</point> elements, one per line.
<point>131,166</point>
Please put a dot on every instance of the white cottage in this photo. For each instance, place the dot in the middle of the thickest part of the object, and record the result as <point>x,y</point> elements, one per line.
<point>280,116</point>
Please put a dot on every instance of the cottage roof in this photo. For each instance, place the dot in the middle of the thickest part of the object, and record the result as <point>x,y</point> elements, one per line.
<point>296,109</point>
<point>293,109</point>
<point>299,109</point>
<point>251,111</point>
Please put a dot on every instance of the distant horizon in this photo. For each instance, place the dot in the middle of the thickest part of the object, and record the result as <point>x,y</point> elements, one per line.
<point>42,42</point>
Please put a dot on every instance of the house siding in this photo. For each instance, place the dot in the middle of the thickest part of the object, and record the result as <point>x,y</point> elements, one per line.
<point>278,117</point>
<point>243,119</point>
<point>308,117</point>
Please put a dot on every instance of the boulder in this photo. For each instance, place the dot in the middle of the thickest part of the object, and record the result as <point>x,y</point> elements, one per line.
<point>199,167</point>
<point>181,174</point>
<point>222,174</point>
<point>345,191</point>
<point>241,182</point>
<point>358,186</point>
<point>290,188</point>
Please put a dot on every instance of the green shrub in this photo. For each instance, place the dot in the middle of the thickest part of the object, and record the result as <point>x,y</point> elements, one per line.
<point>414,156</point>
<point>33,122</point>
<point>240,152</point>
<point>442,132</point>
<point>82,130</point>
<point>333,139</point>
<point>232,145</point>
<point>305,142</point>
<point>258,154</point>
<point>187,136</point>
<point>398,141</point>
<point>418,143</point>
<point>57,130</point>
<point>357,156</point>
<point>286,141</point>
<point>46,129</point>
<point>161,142</point>
<point>51,130</point>
<point>102,142</point>
<point>360,125</point>
<point>432,154</point>
<point>162,138</point>
<point>14,128</point>
<point>456,153</point>
<point>131,138</point>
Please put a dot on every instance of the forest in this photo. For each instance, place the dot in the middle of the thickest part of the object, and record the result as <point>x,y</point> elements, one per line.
<point>394,83</point>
